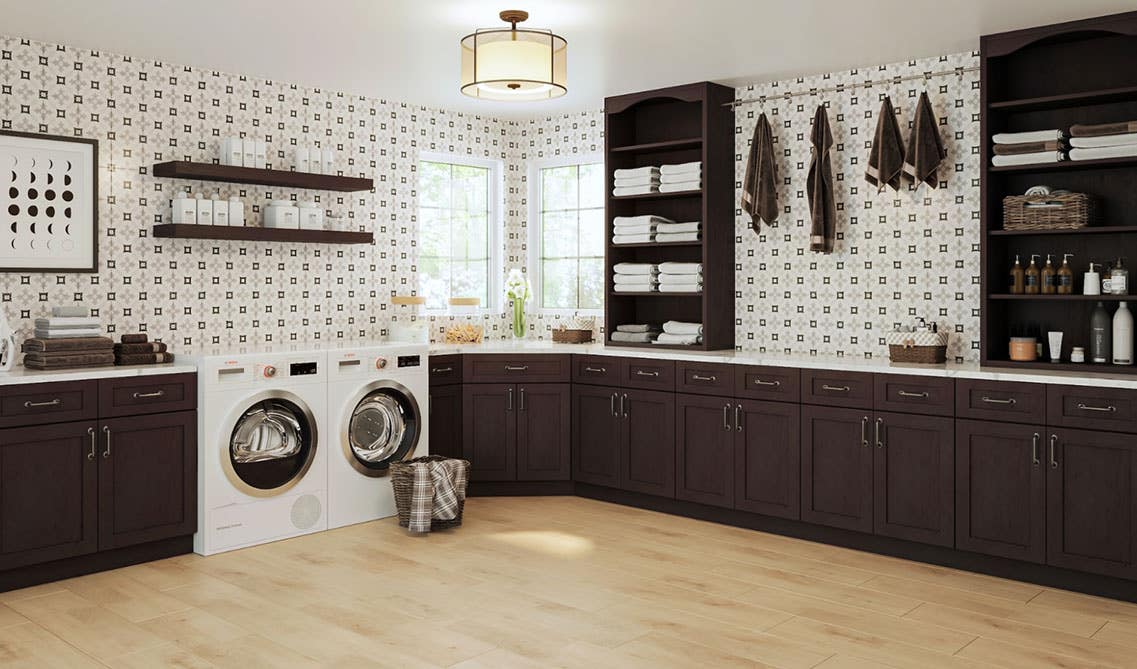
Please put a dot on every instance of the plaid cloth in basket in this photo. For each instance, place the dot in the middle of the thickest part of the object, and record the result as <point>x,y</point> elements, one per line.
<point>439,487</point>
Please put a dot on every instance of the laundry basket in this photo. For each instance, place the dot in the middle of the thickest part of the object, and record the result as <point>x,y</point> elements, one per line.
<point>403,481</point>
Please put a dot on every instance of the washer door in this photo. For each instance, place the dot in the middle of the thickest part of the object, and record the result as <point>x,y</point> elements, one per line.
<point>271,446</point>
<point>383,428</point>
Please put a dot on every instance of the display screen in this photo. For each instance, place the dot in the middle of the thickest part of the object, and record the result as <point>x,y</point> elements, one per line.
<point>408,361</point>
<point>302,369</point>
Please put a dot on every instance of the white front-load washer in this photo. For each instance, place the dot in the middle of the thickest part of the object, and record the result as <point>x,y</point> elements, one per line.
<point>262,455</point>
<point>377,404</point>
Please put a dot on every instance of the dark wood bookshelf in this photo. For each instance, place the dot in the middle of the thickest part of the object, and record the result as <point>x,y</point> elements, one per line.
<point>181,169</point>
<point>254,234</point>
<point>1080,72</point>
<point>661,127</point>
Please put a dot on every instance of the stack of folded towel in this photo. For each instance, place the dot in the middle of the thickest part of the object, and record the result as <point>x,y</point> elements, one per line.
<point>68,322</point>
<point>136,349</point>
<point>636,333</point>
<point>636,229</point>
<point>1104,140</point>
<point>635,181</point>
<point>1028,148</point>
<point>680,277</point>
<point>635,277</point>
<point>680,333</point>
<point>678,232</point>
<point>681,177</point>
<point>69,338</point>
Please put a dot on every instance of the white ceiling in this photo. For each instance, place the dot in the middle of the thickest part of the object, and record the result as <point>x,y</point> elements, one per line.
<point>407,50</point>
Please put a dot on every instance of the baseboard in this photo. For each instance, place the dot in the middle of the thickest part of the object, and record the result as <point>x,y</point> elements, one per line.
<point>518,488</point>
<point>22,577</point>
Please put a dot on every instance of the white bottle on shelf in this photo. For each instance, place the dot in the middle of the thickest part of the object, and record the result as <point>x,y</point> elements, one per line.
<point>220,210</point>
<point>232,151</point>
<point>183,209</point>
<point>1123,335</point>
<point>204,210</point>
<point>261,157</point>
<point>236,212</point>
<point>328,161</point>
<point>300,159</point>
<point>249,151</point>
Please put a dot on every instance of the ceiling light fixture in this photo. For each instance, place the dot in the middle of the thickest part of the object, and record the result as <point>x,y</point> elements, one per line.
<point>513,63</point>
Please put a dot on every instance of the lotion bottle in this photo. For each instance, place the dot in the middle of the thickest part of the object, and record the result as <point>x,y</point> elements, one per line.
<point>236,212</point>
<point>1049,279</point>
<point>1101,333</point>
<point>1092,283</point>
<point>184,209</point>
<point>1123,335</point>
<point>204,210</point>
<point>1018,279</point>
<point>1065,276</point>
<point>220,210</point>
<point>1033,278</point>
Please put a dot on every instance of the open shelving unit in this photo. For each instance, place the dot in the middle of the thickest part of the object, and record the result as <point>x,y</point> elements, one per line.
<point>182,169</point>
<point>665,126</point>
<point>255,234</point>
<point>1053,77</point>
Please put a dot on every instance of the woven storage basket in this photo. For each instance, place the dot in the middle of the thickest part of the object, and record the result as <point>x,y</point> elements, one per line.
<point>1069,211</point>
<point>924,348</point>
<point>403,481</point>
<point>567,336</point>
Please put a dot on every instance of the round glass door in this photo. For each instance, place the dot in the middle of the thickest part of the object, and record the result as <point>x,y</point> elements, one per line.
<point>383,428</point>
<point>272,444</point>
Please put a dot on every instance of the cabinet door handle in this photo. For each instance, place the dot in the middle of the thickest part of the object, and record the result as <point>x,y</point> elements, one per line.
<point>146,396</point>
<point>107,434</point>
<point>595,370</point>
<point>738,418</point>
<point>94,443</point>
<point>878,435</point>
<point>510,368</point>
<point>509,407</point>
<point>441,370</point>
<point>1053,459</point>
<point>1034,449</point>
<point>864,432</point>
<point>49,403</point>
<point>726,417</point>
<point>995,400</point>
<point>521,401</point>
<point>905,393</point>
<point>760,382</point>
<point>640,372</point>
<point>698,377</point>
<point>836,389</point>
<point>612,404</point>
<point>623,405</point>
<point>1086,407</point>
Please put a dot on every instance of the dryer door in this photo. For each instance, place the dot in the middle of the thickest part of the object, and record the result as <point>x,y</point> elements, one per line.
<point>382,428</point>
<point>272,445</point>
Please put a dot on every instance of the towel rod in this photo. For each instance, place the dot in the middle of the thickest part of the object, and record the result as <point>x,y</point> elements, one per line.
<point>959,72</point>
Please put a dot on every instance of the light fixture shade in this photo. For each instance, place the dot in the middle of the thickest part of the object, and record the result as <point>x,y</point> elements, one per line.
<point>513,64</point>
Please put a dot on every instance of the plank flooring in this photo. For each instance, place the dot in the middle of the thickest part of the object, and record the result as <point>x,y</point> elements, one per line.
<point>556,582</point>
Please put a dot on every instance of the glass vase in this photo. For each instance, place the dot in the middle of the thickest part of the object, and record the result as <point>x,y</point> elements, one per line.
<point>518,319</point>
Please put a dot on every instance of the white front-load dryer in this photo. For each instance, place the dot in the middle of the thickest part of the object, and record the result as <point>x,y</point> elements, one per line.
<point>377,403</point>
<point>262,446</point>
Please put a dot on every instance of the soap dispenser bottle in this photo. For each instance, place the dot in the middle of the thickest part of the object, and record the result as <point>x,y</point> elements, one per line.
<point>1101,334</point>
<point>1033,278</point>
<point>1049,278</point>
<point>1018,278</point>
<point>1123,335</point>
<point>1119,278</point>
<point>1066,276</point>
<point>1091,285</point>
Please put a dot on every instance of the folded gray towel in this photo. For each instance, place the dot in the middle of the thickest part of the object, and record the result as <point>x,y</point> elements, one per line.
<point>634,337</point>
<point>637,327</point>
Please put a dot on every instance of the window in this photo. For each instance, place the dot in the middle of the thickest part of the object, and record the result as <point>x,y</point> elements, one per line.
<point>567,237</point>
<point>459,239</point>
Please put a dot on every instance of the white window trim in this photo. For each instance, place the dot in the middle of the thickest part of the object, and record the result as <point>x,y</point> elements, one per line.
<point>534,225</point>
<point>496,222</point>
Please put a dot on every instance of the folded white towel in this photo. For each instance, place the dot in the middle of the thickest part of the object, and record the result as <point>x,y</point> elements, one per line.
<point>680,288</point>
<point>671,228</point>
<point>634,190</point>
<point>681,267</point>
<point>635,220</point>
<point>633,337</point>
<point>681,177</point>
<point>633,239</point>
<point>680,187</point>
<point>1123,151</point>
<point>683,328</point>
<point>672,279</point>
<point>633,288</point>
<point>678,339</point>
<point>1040,158</point>
<point>678,237</point>
<point>680,168</point>
<point>636,171</point>
<point>636,279</point>
<point>67,323</point>
<point>1104,140</point>
<point>641,229</point>
<point>1031,136</point>
<point>70,311</point>
<point>71,332</point>
<point>635,268</point>
<point>625,182</point>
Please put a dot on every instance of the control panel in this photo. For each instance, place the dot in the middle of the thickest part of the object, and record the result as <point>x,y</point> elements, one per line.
<point>302,369</point>
<point>409,361</point>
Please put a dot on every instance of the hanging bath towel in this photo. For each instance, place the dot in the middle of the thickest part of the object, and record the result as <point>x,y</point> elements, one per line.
<point>886,160</point>
<point>760,189</point>
<point>819,186</point>
<point>925,147</point>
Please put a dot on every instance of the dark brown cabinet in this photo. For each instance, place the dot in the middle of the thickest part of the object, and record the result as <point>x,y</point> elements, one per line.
<point>1000,485</point>
<point>489,431</point>
<point>445,433</point>
<point>767,458</point>
<point>515,432</point>
<point>596,429</point>
<point>647,442</point>
<point>704,440</point>
<point>913,478</point>
<point>837,467</point>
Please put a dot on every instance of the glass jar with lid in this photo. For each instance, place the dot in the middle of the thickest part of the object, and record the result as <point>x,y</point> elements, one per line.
<point>408,324</point>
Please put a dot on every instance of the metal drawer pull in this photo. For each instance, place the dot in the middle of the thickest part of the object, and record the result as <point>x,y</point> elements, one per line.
<point>1086,407</point>
<point>703,378</point>
<point>595,370</point>
<point>760,382</point>
<point>995,400</point>
<point>864,432</point>
<point>50,403</point>
<point>143,396</point>
<point>836,389</point>
<point>726,417</point>
<point>1053,460</point>
<point>877,434</point>
<point>640,372</point>
<point>91,434</point>
<point>441,370</point>
<point>107,432</point>
<point>905,393</point>
<point>1034,449</point>
<point>522,368</point>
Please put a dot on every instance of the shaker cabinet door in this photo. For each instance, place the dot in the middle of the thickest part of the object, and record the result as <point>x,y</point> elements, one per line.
<point>647,442</point>
<point>837,467</point>
<point>596,435</point>
<point>489,431</point>
<point>544,432</point>
<point>704,435</point>
<point>914,478</point>
<point>767,458</point>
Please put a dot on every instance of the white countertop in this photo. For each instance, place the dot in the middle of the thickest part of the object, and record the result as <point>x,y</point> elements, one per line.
<point>21,374</point>
<point>1091,377</point>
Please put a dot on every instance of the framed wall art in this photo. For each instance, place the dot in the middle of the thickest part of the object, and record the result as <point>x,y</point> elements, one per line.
<point>49,215</point>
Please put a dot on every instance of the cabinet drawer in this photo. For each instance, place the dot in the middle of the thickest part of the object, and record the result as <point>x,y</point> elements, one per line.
<point>705,378</point>
<point>597,370</point>
<point>648,374</point>
<point>914,394</point>
<point>147,394</point>
<point>38,403</point>
<point>499,368</point>
<point>445,370</point>
<point>839,389</point>
<point>780,384</point>
<point>1089,407</point>
<point>1001,401</point>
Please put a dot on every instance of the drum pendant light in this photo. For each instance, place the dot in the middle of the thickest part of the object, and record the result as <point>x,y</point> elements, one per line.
<point>513,63</point>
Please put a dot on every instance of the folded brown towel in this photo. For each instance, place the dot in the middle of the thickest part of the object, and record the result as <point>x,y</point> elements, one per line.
<point>819,186</point>
<point>1028,147</point>
<point>55,361</point>
<point>925,146</point>
<point>67,344</point>
<point>1101,129</point>
<point>886,159</point>
<point>144,359</point>
<point>760,189</point>
<point>134,339</point>
<point>148,347</point>
<point>39,366</point>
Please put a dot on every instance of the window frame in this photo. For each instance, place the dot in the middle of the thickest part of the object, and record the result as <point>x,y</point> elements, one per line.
<point>535,223</point>
<point>494,219</point>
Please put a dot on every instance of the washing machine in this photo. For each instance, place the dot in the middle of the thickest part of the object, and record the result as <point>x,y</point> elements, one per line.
<point>262,451</point>
<point>377,404</point>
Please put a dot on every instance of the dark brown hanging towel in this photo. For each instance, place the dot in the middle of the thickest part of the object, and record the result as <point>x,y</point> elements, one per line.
<point>886,160</point>
<point>760,189</point>
<point>925,147</point>
<point>819,186</point>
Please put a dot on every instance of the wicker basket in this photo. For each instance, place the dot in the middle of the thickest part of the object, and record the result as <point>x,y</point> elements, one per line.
<point>403,481</point>
<point>1069,211</point>
<point>567,336</point>
<point>922,348</point>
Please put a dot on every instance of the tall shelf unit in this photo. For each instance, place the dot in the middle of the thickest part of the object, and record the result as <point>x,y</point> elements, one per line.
<point>1053,77</point>
<point>665,126</point>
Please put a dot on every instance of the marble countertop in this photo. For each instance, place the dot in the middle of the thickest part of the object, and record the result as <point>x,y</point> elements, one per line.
<point>21,374</point>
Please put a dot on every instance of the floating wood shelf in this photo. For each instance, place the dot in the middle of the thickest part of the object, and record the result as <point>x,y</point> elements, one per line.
<point>655,147</point>
<point>1070,165</point>
<point>1065,298</point>
<point>1098,96</point>
<point>252,234</point>
<point>1092,230</point>
<point>180,169</point>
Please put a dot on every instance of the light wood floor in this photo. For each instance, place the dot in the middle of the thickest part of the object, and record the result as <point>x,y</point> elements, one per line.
<point>556,582</point>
